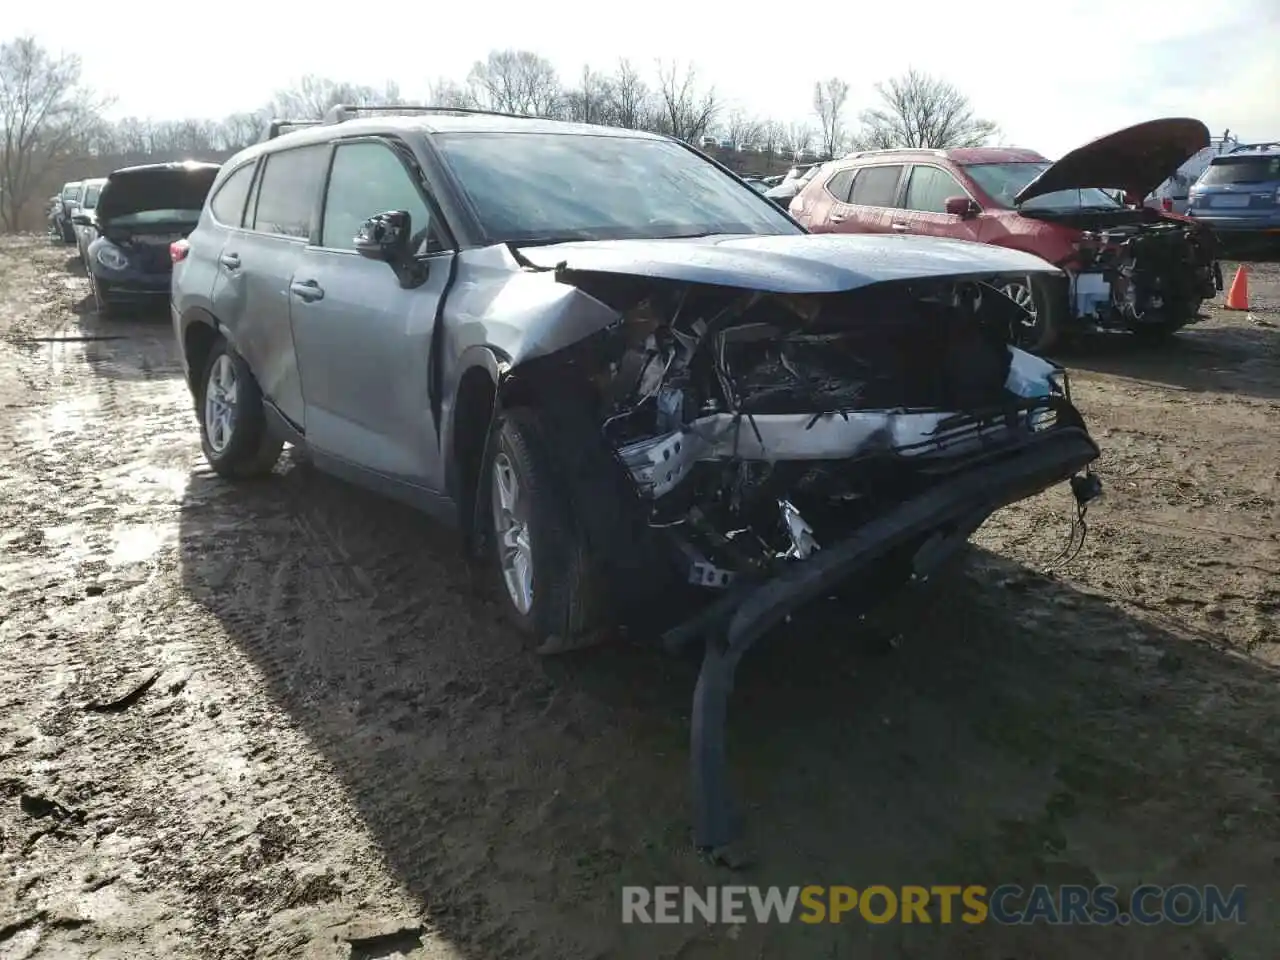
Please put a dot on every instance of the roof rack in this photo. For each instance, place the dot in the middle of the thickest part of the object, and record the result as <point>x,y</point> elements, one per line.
<point>888,150</point>
<point>1254,147</point>
<point>341,112</point>
<point>276,127</point>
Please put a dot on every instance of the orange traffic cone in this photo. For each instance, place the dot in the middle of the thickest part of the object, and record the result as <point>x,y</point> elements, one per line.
<point>1238,295</point>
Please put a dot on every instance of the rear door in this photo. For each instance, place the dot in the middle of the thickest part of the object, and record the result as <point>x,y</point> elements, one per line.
<point>256,265</point>
<point>924,205</point>
<point>363,340</point>
<point>823,206</point>
<point>873,200</point>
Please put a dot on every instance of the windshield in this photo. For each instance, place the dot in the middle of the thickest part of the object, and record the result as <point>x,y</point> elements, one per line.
<point>548,187</point>
<point>1002,181</point>
<point>1241,170</point>
<point>146,218</point>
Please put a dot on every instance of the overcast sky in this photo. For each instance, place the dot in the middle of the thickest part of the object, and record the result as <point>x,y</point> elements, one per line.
<point>1052,75</point>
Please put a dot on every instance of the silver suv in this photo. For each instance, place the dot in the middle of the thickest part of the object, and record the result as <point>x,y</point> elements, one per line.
<point>627,375</point>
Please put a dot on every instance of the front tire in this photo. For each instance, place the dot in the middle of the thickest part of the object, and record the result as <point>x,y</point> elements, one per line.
<point>234,435</point>
<point>1037,330</point>
<point>541,562</point>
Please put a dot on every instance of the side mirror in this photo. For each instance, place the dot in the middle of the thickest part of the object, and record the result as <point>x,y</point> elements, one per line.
<point>385,237</point>
<point>81,220</point>
<point>963,207</point>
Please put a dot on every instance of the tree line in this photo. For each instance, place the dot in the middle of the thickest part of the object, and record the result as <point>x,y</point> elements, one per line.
<point>54,125</point>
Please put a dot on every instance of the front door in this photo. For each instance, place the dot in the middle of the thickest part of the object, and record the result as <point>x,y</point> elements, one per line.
<point>364,341</point>
<point>925,205</point>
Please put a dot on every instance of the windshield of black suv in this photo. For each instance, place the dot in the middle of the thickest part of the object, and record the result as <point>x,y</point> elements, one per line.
<point>549,187</point>
<point>1003,181</point>
<point>1241,170</point>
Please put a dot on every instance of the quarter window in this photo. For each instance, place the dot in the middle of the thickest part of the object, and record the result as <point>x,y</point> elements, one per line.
<point>929,188</point>
<point>876,186</point>
<point>367,179</point>
<point>838,186</point>
<point>287,193</point>
<point>228,203</point>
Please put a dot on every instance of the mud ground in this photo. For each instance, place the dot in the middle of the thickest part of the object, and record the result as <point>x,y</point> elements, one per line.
<point>273,721</point>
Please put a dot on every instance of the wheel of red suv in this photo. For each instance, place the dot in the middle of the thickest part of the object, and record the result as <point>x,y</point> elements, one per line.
<point>234,434</point>
<point>542,566</point>
<point>1037,330</point>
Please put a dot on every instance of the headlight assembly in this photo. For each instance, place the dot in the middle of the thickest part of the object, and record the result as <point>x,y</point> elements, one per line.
<point>112,258</point>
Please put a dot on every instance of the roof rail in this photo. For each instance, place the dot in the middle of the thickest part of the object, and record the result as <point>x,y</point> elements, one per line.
<point>889,150</point>
<point>276,127</point>
<point>1250,147</point>
<point>341,112</point>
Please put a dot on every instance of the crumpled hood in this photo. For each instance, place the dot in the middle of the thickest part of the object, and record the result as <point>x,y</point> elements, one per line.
<point>1136,159</point>
<point>156,186</point>
<point>794,263</point>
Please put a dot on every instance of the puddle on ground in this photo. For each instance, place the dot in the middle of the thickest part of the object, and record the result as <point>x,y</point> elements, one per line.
<point>65,417</point>
<point>136,544</point>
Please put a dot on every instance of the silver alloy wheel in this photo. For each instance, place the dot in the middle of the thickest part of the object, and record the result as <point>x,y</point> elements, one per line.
<point>511,528</point>
<point>220,403</point>
<point>1019,291</point>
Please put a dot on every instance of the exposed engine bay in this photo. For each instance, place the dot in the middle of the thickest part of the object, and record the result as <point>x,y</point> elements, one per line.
<point>757,428</point>
<point>1144,273</point>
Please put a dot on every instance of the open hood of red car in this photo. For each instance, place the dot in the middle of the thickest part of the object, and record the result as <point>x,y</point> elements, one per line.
<point>1136,159</point>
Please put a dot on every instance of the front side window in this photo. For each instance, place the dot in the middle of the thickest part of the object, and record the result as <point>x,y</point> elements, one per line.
<point>91,196</point>
<point>367,178</point>
<point>1003,181</point>
<point>929,188</point>
<point>876,186</point>
<point>286,197</point>
<point>548,187</point>
<point>228,203</point>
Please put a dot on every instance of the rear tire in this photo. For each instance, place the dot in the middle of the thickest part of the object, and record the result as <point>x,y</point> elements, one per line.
<point>542,568</point>
<point>234,435</point>
<point>1040,330</point>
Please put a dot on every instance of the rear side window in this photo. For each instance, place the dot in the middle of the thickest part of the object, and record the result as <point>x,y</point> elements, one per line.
<point>228,203</point>
<point>928,189</point>
<point>1242,170</point>
<point>367,178</point>
<point>286,197</point>
<point>838,186</point>
<point>876,186</point>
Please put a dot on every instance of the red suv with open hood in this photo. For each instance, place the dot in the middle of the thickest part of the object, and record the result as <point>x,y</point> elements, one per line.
<point>1127,267</point>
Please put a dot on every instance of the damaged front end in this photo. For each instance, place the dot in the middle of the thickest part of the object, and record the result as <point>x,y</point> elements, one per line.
<point>758,431</point>
<point>1154,273</point>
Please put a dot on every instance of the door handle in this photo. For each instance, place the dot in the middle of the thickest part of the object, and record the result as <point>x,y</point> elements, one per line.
<point>230,260</point>
<point>837,218</point>
<point>307,290</point>
<point>899,227</point>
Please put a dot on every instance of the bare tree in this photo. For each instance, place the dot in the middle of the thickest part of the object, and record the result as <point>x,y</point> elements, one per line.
<point>799,139</point>
<point>449,93</point>
<point>516,81</point>
<point>43,110</point>
<point>594,100</point>
<point>685,113</point>
<point>312,97</point>
<point>239,130</point>
<point>742,129</point>
<point>922,111</point>
<point>773,137</point>
<point>829,97</point>
<point>633,102</point>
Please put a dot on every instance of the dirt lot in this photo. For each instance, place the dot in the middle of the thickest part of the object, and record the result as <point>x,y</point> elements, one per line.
<point>341,753</point>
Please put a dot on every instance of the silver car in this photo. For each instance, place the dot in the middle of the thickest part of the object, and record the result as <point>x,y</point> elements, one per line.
<point>628,376</point>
